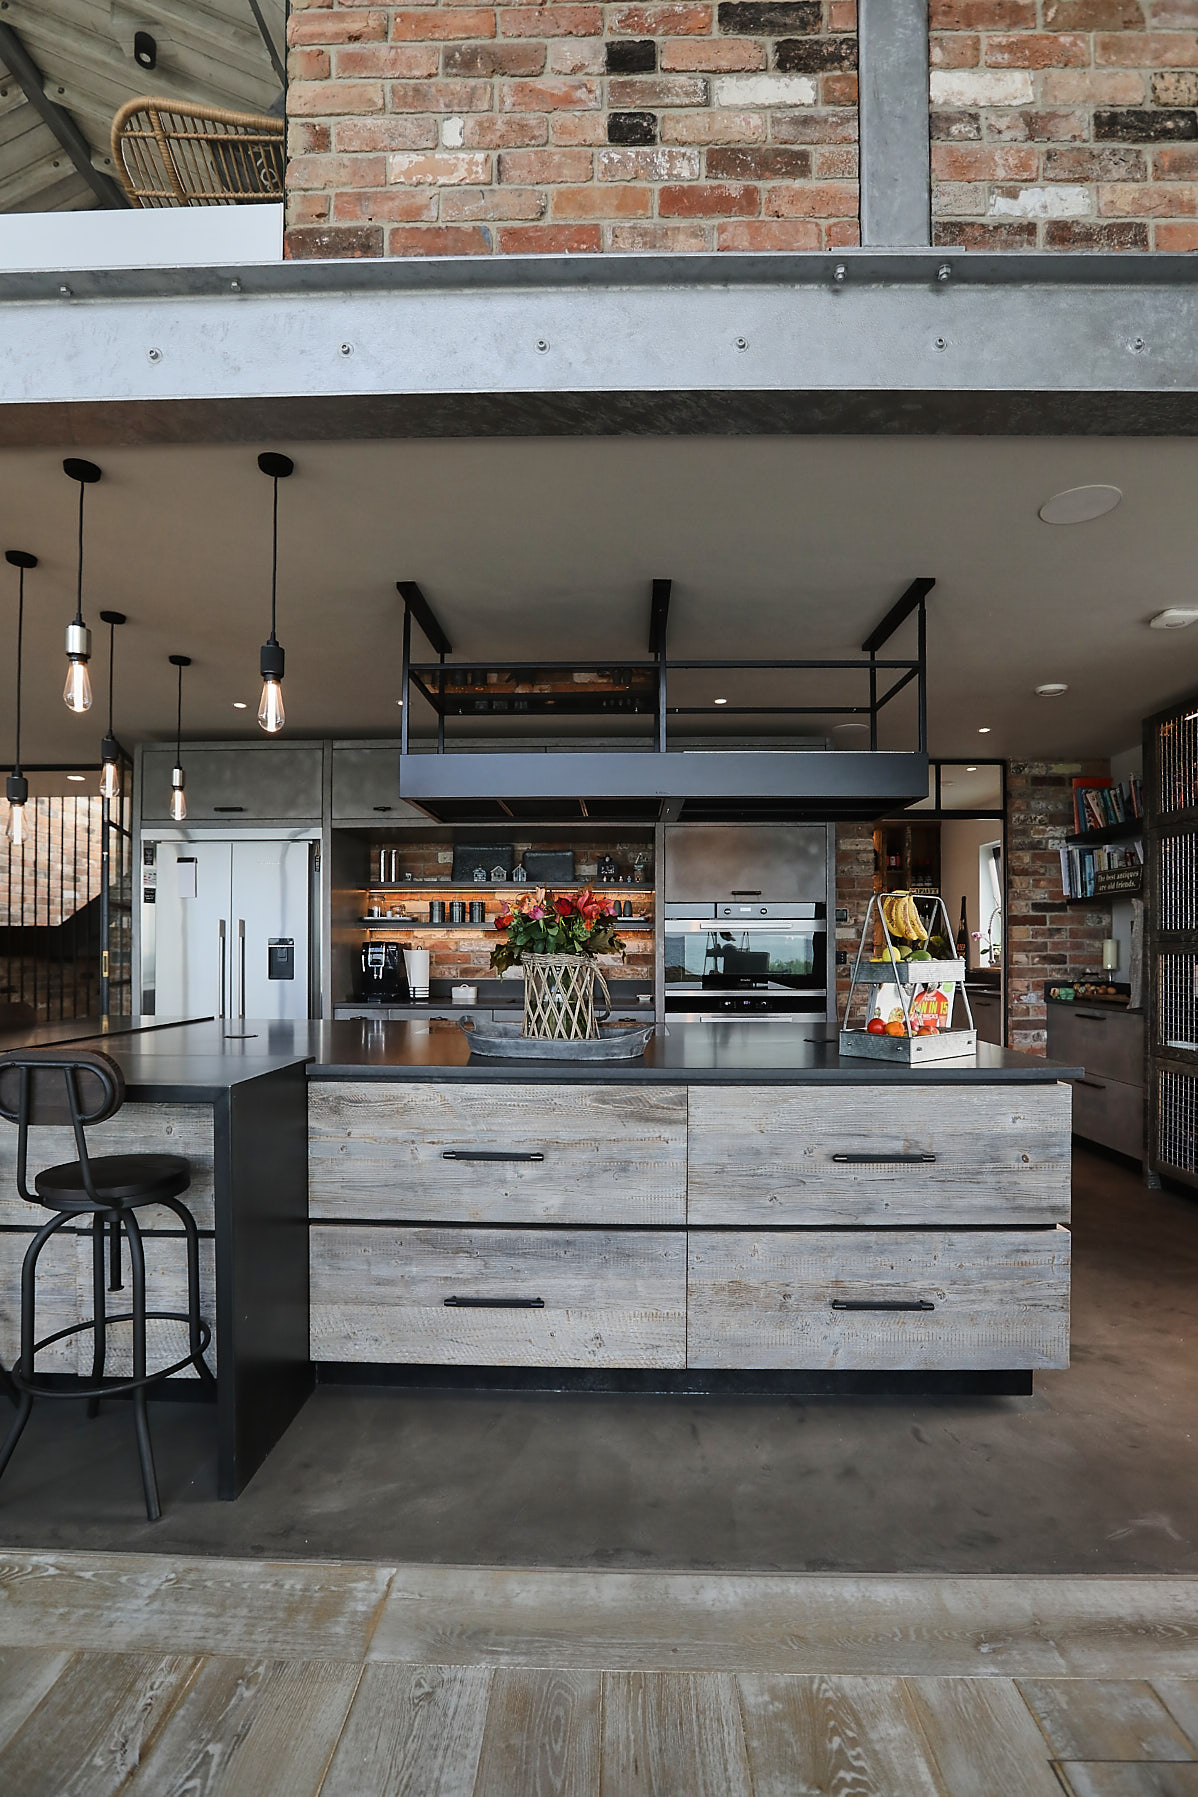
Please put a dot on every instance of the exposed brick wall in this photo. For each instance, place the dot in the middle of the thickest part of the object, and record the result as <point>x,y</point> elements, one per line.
<point>854,889</point>
<point>691,125</point>
<point>1065,124</point>
<point>1046,938</point>
<point>57,872</point>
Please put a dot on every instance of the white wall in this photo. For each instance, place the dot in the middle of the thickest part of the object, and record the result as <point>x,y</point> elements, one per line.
<point>166,237</point>
<point>960,841</point>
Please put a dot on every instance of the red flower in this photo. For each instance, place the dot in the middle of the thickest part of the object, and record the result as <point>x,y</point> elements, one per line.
<point>564,906</point>
<point>502,922</point>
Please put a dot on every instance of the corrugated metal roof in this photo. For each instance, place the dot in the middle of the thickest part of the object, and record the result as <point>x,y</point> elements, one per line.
<point>209,51</point>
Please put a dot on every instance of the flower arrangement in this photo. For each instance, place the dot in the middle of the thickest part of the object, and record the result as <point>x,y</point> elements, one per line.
<point>549,923</point>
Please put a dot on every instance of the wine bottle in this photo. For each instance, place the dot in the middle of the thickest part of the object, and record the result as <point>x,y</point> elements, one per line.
<point>963,935</point>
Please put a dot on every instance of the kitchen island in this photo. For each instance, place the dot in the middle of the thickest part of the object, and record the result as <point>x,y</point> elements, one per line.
<point>743,1198</point>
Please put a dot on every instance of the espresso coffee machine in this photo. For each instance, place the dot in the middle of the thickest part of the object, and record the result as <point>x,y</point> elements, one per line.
<point>383,978</point>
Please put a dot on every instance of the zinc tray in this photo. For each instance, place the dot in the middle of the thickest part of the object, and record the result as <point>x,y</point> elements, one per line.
<point>909,1051</point>
<point>909,973</point>
<point>504,1041</point>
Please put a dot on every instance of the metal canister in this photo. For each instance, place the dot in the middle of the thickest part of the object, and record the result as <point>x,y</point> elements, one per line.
<point>436,911</point>
<point>478,911</point>
<point>457,911</point>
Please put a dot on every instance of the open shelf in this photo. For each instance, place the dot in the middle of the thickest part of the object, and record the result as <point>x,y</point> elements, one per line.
<point>403,923</point>
<point>1125,832</point>
<point>468,886</point>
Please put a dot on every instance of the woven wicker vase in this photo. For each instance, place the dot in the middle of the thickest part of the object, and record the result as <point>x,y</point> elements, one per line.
<point>559,997</point>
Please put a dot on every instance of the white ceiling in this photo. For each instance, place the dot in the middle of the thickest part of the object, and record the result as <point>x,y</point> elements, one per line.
<point>777,547</point>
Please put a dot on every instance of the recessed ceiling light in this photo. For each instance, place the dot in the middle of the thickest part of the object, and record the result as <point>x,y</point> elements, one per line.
<point>239,705</point>
<point>983,729</point>
<point>1052,689</point>
<point>719,701</point>
<point>399,701</point>
<point>1080,505</point>
<point>74,776</point>
<point>1174,617</point>
<point>971,770</point>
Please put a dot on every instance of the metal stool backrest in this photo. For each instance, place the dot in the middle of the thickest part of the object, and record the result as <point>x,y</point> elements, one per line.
<point>51,1086</point>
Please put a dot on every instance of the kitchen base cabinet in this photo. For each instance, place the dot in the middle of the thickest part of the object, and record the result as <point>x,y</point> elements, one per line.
<point>490,1297</point>
<point>1108,1103</point>
<point>922,1299</point>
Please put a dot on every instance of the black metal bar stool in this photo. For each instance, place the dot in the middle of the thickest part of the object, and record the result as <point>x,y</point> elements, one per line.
<point>60,1086</point>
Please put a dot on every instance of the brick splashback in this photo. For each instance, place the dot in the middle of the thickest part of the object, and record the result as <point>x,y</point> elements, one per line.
<point>1065,124</point>
<point>446,129</point>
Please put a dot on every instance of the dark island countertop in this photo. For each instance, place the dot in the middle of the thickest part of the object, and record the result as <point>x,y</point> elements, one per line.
<point>191,1061</point>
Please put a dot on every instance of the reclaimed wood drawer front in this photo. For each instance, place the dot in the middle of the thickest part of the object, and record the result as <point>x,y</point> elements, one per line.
<point>868,1154</point>
<point>1107,1042</point>
<point>497,1153</point>
<point>184,1129</point>
<point>499,1297</point>
<point>974,1300</point>
<point>1110,1112</point>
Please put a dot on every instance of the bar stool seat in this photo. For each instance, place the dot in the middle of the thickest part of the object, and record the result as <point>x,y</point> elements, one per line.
<point>48,1086</point>
<point>119,1181</point>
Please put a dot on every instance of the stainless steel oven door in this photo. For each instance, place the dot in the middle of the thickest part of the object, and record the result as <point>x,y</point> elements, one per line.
<point>789,954</point>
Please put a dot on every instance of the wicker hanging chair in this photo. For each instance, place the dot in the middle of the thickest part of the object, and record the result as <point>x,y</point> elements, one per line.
<point>169,153</point>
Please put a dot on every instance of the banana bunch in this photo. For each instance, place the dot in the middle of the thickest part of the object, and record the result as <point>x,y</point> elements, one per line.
<point>902,917</point>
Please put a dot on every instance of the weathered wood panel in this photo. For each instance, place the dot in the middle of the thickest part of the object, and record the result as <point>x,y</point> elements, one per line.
<point>832,1734</point>
<point>184,1129</point>
<point>765,1155</point>
<point>610,1297</point>
<point>413,1731</point>
<point>26,1674</point>
<point>1104,1719</point>
<point>166,1289</point>
<point>980,1737</point>
<point>89,1733</point>
<point>615,1154</point>
<point>673,1732</point>
<point>542,1736</point>
<point>57,1299</point>
<point>1000,1299</point>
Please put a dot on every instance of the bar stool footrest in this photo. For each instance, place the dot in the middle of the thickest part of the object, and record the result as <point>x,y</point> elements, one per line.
<point>107,1388</point>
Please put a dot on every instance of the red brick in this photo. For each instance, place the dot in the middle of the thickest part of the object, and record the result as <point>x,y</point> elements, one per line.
<point>1141,200</point>
<point>709,199</point>
<point>768,234</point>
<point>330,172</point>
<point>308,242</point>
<point>601,201</point>
<point>1175,237</point>
<point>813,127</point>
<point>308,65</point>
<point>836,163</point>
<point>842,15</point>
<point>440,96</point>
<point>1093,15</point>
<point>982,15</point>
<point>534,166</point>
<point>842,234</point>
<point>628,164</point>
<point>521,131</point>
<point>431,24</point>
<point>325,27</point>
<point>445,168</point>
<point>680,20</point>
<point>772,162</point>
<point>549,95</point>
<point>387,61</point>
<point>683,239</point>
<point>973,234</point>
<point>466,205</point>
<point>550,240</point>
<point>639,93</point>
<point>307,99</point>
<point>439,240</point>
<point>307,208</point>
<point>1177,162</point>
<point>551,21</point>
<point>308,139</point>
<point>1038,127</point>
<point>712,126</point>
<point>1148,49</point>
<point>838,90</point>
<point>730,54</point>
<point>1105,162</point>
<point>956,50</point>
<point>572,128</point>
<point>1038,50</point>
<point>484,60</point>
<point>818,199</point>
<point>392,133</point>
<point>390,207</point>
<point>983,162</point>
<point>1081,234</point>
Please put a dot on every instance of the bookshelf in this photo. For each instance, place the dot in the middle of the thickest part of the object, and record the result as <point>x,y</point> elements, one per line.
<point>1103,857</point>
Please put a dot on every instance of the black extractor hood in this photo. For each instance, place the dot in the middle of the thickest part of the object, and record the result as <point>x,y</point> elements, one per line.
<point>713,780</point>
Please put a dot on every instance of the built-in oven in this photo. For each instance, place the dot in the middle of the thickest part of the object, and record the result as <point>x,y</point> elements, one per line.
<point>757,960</point>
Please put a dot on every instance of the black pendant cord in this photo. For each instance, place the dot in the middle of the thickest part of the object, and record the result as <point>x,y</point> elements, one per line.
<point>179,722</point>
<point>20,640</point>
<point>111,668</point>
<point>274,562</point>
<point>79,575</point>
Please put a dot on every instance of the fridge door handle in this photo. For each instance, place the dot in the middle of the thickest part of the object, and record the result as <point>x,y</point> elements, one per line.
<point>241,959</point>
<point>221,956</point>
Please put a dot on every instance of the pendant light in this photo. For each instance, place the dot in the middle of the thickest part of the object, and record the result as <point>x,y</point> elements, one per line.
<point>77,693</point>
<point>178,778</point>
<point>17,786</point>
<point>271,715</point>
<point>110,749</point>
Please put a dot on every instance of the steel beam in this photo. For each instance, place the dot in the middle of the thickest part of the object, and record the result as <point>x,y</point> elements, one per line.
<point>424,615</point>
<point>896,186</point>
<point>898,614</point>
<point>872,342</point>
<point>29,79</point>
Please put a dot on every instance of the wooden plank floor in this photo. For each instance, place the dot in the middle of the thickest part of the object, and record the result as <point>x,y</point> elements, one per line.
<point>149,1676</point>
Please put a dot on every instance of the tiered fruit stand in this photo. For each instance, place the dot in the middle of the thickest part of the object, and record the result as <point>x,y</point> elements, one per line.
<point>913,1046</point>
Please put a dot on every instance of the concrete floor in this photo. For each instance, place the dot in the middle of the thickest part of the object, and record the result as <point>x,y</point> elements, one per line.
<point>1097,1472</point>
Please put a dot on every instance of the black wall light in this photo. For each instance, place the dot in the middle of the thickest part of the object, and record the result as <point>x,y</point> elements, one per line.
<point>271,714</point>
<point>110,748</point>
<point>178,777</point>
<point>17,786</point>
<point>77,693</point>
<point>145,50</point>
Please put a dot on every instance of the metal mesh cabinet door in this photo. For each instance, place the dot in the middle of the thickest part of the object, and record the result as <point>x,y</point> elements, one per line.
<point>1171,915</point>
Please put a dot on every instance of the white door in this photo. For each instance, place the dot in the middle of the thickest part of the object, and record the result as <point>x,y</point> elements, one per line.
<point>269,917</point>
<point>191,930</point>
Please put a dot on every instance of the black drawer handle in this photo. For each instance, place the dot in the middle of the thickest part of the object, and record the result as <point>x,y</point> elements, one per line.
<point>1092,1016</point>
<point>487,1154</point>
<point>1099,1085</point>
<point>880,1160</point>
<point>228,807</point>
<point>494,1303</point>
<point>746,892</point>
<point>382,807</point>
<point>882,1304</point>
